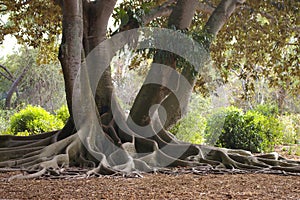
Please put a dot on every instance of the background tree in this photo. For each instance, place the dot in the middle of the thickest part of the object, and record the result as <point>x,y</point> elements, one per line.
<point>119,147</point>
<point>25,81</point>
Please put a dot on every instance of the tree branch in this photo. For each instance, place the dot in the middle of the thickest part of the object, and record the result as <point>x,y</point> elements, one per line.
<point>5,76</point>
<point>220,16</point>
<point>205,8</point>
<point>14,86</point>
<point>166,9</point>
<point>7,71</point>
<point>263,13</point>
<point>160,11</point>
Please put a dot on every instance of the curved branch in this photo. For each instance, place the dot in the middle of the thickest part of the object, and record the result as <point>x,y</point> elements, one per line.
<point>7,71</point>
<point>14,86</point>
<point>220,16</point>
<point>5,76</point>
<point>155,13</point>
<point>205,8</point>
<point>166,9</point>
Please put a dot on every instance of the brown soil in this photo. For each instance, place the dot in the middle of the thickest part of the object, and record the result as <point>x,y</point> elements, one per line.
<point>156,186</point>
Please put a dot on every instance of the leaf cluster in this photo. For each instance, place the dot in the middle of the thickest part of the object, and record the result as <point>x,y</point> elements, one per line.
<point>232,128</point>
<point>34,119</point>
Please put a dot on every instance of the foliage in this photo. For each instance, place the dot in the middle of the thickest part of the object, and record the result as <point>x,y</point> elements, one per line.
<point>3,124</point>
<point>273,52</point>
<point>191,127</point>
<point>267,109</point>
<point>63,113</point>
<point>232,128</point>
<point>39,29</point>
<point>43,84</point>
<point>271,26</point>
<point>291,124</point>
<point>34,120</point>
<point>4,119</point>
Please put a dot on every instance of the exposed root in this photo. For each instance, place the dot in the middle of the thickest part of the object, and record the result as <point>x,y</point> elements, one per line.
<point>118,150</point>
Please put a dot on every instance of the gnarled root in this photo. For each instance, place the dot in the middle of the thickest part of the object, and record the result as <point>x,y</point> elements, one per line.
<point>113,150</point>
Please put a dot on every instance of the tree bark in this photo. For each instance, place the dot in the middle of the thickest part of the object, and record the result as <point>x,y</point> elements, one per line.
<point>151,94</point>
<point>70,55</point>
<point>14,86</point>
<point>216,21</point>
<point>96,16</point>
<point>166,9</point>
<point>71,45</point>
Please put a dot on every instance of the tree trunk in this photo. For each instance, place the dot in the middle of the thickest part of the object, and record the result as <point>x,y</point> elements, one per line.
<point>71,45</point>
<point>96,16</point>
<point>221,14</point>
<point>151,94</point>
<point>14,86</point>
<point>70,55</point>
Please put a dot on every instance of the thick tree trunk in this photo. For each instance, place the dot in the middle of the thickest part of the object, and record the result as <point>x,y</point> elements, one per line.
<point>152,94</point>
<point>71,46</point>
<point>70,54</point>
<point>96,16</point>
<point>216,21</point>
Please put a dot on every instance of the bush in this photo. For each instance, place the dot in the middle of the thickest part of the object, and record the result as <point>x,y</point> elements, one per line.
<point>232,128</point>
<point>291,124</point>
<point>190,128</point>
<point>34,120</point>
<point>216,123</point>
<point>4,120</point>
<point>270,129</point>
<point>63,113</point>
<point>267,109</point>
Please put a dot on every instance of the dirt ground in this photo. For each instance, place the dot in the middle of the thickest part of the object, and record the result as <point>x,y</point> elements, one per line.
<point>156,186</point>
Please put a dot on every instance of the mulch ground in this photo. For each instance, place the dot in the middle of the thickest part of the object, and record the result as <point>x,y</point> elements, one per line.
<point>156,186</point>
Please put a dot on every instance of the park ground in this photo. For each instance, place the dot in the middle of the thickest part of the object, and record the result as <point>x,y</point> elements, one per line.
<point>157,186</point>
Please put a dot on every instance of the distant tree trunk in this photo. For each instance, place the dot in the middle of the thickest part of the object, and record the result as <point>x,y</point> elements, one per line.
<point>281,95</point>
<point>14,86</point>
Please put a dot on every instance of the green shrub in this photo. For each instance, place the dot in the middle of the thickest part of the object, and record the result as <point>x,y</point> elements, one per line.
<point>3,124</point>
<point>267,109</point>
<point>4,120</point>
<point>296,124</point>
<point>269,128</point>
<point>232,128</point>
<point>291,124</point>
<point>63,113</point>
<point>190,128</point>
<point>216,123</point>
<point>34,120</point>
